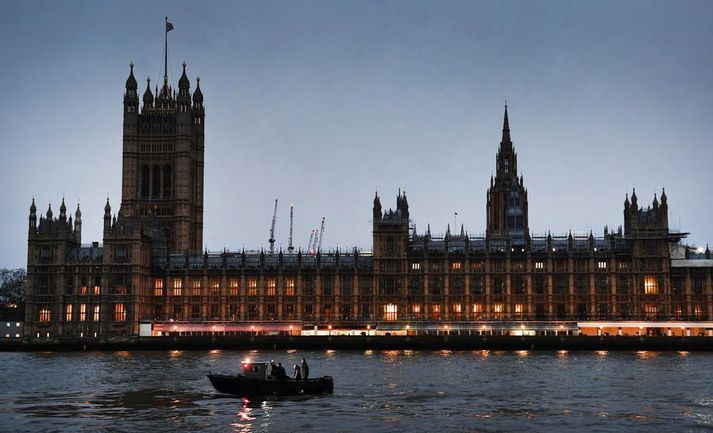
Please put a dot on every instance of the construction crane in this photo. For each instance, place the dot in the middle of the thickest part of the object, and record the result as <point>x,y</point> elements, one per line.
<point>290,248</point>
<point>321,235</point>
<point>309,244</point>
<point>313,248</point>
<point>272,230</point>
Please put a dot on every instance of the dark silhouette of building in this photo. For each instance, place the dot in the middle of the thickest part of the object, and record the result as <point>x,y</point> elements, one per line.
<point>150,267</point>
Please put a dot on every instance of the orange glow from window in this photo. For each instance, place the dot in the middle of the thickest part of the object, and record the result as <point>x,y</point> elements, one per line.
<point>119,312</point>
<point>45,315</point>
<point>651,286</point>
<point>390,312</point>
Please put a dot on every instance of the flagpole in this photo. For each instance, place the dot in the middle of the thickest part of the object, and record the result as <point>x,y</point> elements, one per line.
<point>165,53</point>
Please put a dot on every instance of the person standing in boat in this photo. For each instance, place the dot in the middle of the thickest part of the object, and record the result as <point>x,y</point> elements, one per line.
<point>281,373</point>
<point>298,374</point>
<point>305,369</point>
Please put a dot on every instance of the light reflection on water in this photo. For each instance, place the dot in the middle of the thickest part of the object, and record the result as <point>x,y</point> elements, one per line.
<point>379,391</point>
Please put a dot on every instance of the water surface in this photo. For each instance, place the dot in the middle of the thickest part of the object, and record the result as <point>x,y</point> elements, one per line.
<point>377,391</point>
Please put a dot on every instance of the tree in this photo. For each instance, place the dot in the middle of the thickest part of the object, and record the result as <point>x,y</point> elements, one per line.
<point>13,283</point>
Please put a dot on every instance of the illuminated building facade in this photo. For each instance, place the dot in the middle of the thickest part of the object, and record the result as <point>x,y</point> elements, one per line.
<point>150,269</point>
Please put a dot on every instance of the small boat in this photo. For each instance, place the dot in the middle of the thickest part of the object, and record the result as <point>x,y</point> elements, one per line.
<point>255,379</point>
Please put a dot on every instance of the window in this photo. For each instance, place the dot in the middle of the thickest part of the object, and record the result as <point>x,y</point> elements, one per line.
<point>539,266</point>
<point>252,286</point>
<point>97,290</point>
<point>651,310</point>
<point>215,287</point>
<point>271,286</point>
<point>196,287</point>
<point>82,312</point>
<point>651,286</point>
<point>290,287</point>
<point>498,311</point>
<point>477,310</point>
<point>177,286</point>
<point>390,312</point>
<point>601,265</point>
<point>436,311</point>
<point>68,313</point>
<point>457,309</point>
<point>158,287</point>
<point>45,315</point>
<point>234,285</point>
<point>416,266</point>
<point>416,309</point>
<point>96,313</point>
<point>519,309</point>
<point>456,266</point>
<point>119,312</point>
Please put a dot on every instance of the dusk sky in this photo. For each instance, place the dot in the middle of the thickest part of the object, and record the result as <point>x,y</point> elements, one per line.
<point>321,103</point>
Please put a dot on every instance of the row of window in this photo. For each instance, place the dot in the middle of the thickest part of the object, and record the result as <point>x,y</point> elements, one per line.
<point>81,313</point>
<point>416,311</point>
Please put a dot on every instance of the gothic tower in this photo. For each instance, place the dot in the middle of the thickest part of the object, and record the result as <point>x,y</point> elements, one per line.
<point>163,148</point>
<point>507,196</point>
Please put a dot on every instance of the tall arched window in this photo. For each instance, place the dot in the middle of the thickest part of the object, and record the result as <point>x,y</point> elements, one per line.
<point>145,179</point>
<point>156,179</point>
<point>167,182</point>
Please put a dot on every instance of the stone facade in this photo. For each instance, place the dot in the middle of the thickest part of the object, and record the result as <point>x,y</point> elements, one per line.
<point>150,266</point>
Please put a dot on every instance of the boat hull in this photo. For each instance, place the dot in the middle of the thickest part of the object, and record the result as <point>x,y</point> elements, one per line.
<point>242,386</point>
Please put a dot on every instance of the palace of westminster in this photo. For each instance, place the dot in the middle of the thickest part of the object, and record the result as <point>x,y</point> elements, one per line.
<point>150,267</point>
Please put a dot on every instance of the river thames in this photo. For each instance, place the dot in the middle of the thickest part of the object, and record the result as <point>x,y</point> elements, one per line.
<point>378,391</point>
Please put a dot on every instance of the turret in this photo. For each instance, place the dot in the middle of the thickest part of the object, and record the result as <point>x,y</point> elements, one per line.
<point>377,208</point>
<point>198,109</point>
<point>148,95</point>
<point>78,225</point>
<point>107,217</point>
<point>33,217</point>
<point>131,96</point>
<point>63,211</point>
<point>49,212</point>
<point>634,201</point>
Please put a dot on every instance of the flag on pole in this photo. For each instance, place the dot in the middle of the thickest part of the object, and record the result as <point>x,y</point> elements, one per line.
<point>169,27</point>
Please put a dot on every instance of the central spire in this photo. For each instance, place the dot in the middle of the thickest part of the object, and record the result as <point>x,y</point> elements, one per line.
<point>506,127</point>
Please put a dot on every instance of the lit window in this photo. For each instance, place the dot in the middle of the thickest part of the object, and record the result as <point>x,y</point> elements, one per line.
<point>215,287</point>
<point>45,315</point>
<point>498,311</point>
<point>651,286</point>
<point>651,310</point>
<point>177,286</point>
<point>477,308</point>
<point>415,266</point>
<point>252,287</point>
<point>457,308</point>
<point>271,285</point>
<point>68,313</point>
<point>97,290</point>
<point>96,313</point>
<point>82,312</point>
<point>119,312</point>
<point>698,311</point>
<point>518,308</point>
<point>158,287</point>
<point>416,308</point>
<point>290,287</point>
<point>436,311</point>
<point>234,286</point>
<point>602,265</point>
<point>390,312</point>
<point>196,287</point>
<point>539,265</point>
<point>84,290</point>
<point>456,266</point>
